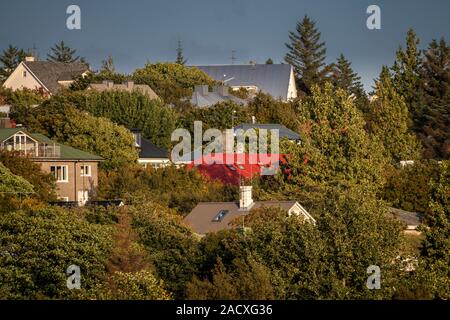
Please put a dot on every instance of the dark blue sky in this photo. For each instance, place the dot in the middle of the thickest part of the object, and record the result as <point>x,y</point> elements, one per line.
<point>135,31</point>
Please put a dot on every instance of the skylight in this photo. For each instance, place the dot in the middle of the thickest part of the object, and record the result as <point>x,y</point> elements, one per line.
<point>220,216</point>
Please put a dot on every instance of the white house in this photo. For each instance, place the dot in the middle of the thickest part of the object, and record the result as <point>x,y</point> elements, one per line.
<point>48,76</point>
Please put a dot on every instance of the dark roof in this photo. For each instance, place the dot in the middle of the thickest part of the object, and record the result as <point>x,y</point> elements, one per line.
<point>283,131</point>
<point>411,219</point>
<point>201,217</point>
<point>49,73</point>
<point>272,79</point>
<point>150,151</point>
<point>66,152</point>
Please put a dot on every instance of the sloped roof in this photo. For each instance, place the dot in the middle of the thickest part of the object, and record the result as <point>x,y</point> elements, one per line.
<point>201,218</point>
<point>272,79</point>
<point>66,152</point>
<point>283,131</point>
<point>49,72</point>
<point>143,88</point>
<point>150,151</point>
<point>212,98</point>
<point>410,219</point>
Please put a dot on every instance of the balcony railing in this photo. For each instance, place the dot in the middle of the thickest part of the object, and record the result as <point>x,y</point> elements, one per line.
<point>43,151</point>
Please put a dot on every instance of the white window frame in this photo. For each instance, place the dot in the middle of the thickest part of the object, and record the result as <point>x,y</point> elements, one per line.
<point>64,172</point>
<point>83,173</point>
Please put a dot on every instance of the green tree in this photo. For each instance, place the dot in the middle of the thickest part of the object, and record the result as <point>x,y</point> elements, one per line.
<point>335,147</point>
<point>408,187</point>
<point>390,121</point>
<point>406,75</point>
<point>10,59</point>
<point>180,58</point>
<point>171,81</point>
<point>269,61</point>
<point>62,53</point>
<point>11,183</point>
<point>59,119</point>
<point>35,261</point>
<point>43,184</point>
<point>435,75</point>
<point>307,55</point>
<point>345,78</point>
<point>435,248</point>
<point>171,246</point>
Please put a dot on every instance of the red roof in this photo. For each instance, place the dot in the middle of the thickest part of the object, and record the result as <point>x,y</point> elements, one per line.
<point>231,168</point>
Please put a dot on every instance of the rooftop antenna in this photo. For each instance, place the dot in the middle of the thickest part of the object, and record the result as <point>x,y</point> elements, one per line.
<point>233,56</point>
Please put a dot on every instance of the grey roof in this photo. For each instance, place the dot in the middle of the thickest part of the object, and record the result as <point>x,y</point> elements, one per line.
<point>150,151</point>
<point>212,98</point>
<point>283,131</point>
<point>411,219</point>
<point>143,88</point>
<point>49,72</point>
<point>272,79</point>
<point>201,217</point>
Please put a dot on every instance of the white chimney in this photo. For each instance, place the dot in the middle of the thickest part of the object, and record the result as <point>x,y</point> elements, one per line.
<point>253,119</point>
<point>245,197</point>
<point>29,59</point>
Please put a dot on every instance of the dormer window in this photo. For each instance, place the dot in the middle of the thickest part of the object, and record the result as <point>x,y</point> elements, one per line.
<point>220,216</point>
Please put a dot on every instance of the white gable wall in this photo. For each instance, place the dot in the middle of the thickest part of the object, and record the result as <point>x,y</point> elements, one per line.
<point>17,80</point>
<point>292,88</point>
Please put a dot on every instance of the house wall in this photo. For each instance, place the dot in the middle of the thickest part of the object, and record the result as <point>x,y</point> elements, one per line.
<point>292,88</point>
<point>17,81</point>
<point>76,182</point>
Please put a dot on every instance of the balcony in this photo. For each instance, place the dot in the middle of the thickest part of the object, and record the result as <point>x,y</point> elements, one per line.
<point>43,150</point>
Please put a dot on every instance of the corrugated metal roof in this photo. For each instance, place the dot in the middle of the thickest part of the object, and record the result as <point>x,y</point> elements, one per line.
<point>272,79</point>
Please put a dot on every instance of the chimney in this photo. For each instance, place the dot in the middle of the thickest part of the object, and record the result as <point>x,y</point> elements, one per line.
<point>202,89</point>
<point>129,84</point>
<point>245,197</point>
<point>221,90</point>
<point>108,83</point>
<point>137,137</point>
<point>29,59</point>
<point>253,119</point>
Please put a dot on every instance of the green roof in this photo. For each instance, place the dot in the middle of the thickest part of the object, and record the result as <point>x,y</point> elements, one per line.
<point>67,153</point>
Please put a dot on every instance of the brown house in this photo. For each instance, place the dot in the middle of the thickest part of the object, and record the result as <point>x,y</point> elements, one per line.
<point>208,217</point>
<point>75,171</point>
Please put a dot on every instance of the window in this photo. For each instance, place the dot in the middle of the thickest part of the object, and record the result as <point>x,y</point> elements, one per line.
<point>83,197</point>
<point>85,171</point>
<point>60,173</point>
<point>220,216</point>
<point>24,74</point>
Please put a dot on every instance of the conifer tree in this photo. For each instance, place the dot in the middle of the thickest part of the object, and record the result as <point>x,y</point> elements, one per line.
<point>10,59</point>
<point>435,77</point>
<point>180,58</point>
<point>406,77</point>
<point>307,55</point>
<point>345,78</point>
<point>62,53</point>
<point>390,121</point>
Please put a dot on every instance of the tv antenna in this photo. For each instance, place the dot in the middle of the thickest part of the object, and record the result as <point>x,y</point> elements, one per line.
<point>233,56</point>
